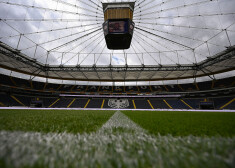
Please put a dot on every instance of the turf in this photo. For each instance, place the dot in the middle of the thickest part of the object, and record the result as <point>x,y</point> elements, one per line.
<point>118,143</point>
<point>70,121</point>
<point>179,123</point>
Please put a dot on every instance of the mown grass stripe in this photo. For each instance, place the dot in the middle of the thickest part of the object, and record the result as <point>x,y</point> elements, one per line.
<point>227,103</point>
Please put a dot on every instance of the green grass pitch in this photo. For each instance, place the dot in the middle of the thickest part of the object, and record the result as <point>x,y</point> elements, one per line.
<point>70,121</point>
<point>70,138</point>
<point>183,123</point>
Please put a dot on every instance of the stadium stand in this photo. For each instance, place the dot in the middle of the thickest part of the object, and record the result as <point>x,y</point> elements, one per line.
<point>79,103</point>
<point>221,102</point>
<point>132,104</point>
<point>94,103</point>
<point>142,104</point>
<point>79,88</point>
<point>62,103</point>
<point>38,85</point>
<point>5,80</point>
<point>224,83</point>
<point>131,89</point>
<point>204,85</point>
<point>21,82</point>
<point>158,104</point>
<point>174,88</point>
<point>115,102</point>
<point>189,87</point>
<point>23,99</point>
<point>48,101</point>
<point>52,87</point>
<point>20,92</point>
<point>144,89</point>
<point>65,88</point>
<point>118,89</point>
<point>105,89</point>
<point>17,82</point>
<point>4,99</point>
<point>92,89</point>
<point>105,105</point>
<point>158,88</point>
<point>230,104</point>
<point>194,103</point>
<point>177,104</point>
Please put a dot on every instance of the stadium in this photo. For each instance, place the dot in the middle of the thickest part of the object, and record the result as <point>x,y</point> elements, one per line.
<point>98,83</point>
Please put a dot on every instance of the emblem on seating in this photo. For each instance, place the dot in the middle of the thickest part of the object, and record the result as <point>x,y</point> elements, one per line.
<point>118,103</point>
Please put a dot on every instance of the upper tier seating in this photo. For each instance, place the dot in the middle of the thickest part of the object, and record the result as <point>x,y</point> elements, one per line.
<point>175,88</point>
<point>38,85</point>
<point>42,86</point>
<point>204,85</point>
<point>93,89</point>
<point>52,87</point>
<point>132,89</point>
<point>105,89</point>
<point>224,83</point>
<point>144,89</point>
<point>21,82</point>
<point>6,80</point>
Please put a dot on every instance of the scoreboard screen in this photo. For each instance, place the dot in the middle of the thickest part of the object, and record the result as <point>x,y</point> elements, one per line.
<point>118,27</point>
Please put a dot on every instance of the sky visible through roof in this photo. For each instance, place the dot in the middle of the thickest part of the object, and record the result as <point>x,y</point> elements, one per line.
<point>70,32</point>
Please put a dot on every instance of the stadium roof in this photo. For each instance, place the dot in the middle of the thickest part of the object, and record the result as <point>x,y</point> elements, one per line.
<point>173,39</point>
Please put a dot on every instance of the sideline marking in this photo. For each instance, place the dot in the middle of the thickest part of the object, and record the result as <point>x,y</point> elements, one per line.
<point>119,139</point>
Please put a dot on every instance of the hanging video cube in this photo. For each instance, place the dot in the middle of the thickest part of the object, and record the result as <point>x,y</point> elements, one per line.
<point>118,26</point>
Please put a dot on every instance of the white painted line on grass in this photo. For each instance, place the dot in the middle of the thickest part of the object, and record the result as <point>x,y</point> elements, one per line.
<point>118,143</point>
